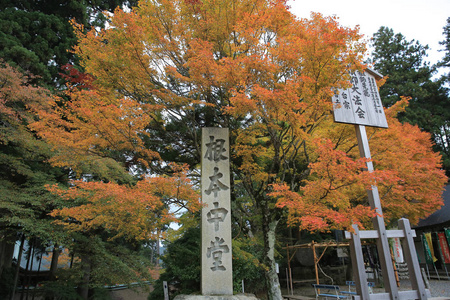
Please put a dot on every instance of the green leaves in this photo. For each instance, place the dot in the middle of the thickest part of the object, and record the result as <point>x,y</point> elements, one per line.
<point>24,202</point>
<point>409,75</point>
<point>35,42</point>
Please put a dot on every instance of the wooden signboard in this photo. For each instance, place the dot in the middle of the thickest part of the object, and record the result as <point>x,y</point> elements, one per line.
<point>360,104</point>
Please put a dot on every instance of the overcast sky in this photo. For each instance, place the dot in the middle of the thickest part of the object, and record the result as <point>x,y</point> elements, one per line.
<point>421,20</point>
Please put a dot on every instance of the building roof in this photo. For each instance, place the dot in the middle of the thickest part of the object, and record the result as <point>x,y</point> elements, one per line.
<point>440,216</point>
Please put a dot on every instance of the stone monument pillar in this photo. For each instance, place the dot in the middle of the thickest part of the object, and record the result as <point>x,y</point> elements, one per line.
<point>217,273</point>
<point>216,256</point>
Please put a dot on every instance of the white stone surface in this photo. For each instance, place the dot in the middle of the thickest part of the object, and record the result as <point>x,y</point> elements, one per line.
<point>217,273</point>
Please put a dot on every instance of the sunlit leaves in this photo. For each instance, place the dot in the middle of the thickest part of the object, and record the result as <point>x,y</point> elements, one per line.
<point>131,212</point>
<point>333,195</point>
<point>405,150</point>
<point>408,175</point>
<point>162,71</point>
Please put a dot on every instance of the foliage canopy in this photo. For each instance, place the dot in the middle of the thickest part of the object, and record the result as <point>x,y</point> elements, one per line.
<point>165,69</point>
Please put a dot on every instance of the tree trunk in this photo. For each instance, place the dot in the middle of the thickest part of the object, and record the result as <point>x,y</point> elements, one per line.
<point>53,266</point>
<point>19,259</point>
<point>7,244</point>
<point>152,254</point>
<point>30,271</point>
<point>273,284</point>
<point>26,277</point>
<point>54,262</point>
<point>37,274</point>
<point>83,289</point>
<point>158,254</point>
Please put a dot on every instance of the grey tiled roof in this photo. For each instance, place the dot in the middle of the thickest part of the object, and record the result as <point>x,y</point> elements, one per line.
<point>440,216</point>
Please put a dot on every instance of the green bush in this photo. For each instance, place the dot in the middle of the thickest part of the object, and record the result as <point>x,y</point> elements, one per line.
<point>182,266</point>
<point>6,283</point>
<point>247,255</point>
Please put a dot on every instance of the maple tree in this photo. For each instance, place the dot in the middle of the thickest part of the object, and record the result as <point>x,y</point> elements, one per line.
<point>400,153</point>
<point>129,212</point>
<point>24,170</point>
<point>106,223</point>
<point>415,193</point>
<point>98,217</point>
<point>165,69</point>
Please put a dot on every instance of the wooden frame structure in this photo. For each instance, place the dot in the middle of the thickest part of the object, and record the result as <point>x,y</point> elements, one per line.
<point>381,235</point>
<point>362,106</point>
<point>312,245</point>
<point>406,234</point>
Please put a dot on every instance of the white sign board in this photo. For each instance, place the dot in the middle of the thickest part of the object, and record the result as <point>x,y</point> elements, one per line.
<point>341,252</point>
<point>360,104</point>
<point>398,253</point>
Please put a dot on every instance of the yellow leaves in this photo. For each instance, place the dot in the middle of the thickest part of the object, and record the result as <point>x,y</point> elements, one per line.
<point>398,107</point>
<point>406,151</point>
<point>408,175</point>
<point>334,194</point>
<point>132,212</point>
<point>253,66</point>
<point>255,50</point>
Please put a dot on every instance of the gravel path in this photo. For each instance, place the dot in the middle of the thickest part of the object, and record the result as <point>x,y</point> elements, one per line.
<point>439,289</point>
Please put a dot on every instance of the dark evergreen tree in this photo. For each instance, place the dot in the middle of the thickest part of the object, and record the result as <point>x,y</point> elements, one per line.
<point>182,262</point>
<point>36,36</point>
<point>408,74</point>
<point>445,63</point>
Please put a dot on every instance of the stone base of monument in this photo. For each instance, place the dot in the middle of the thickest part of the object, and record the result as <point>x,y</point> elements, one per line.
<point>217,297</point>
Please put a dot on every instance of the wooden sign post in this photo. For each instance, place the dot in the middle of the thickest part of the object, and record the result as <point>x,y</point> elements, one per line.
<point>378,221</point>
<point>361,105</point>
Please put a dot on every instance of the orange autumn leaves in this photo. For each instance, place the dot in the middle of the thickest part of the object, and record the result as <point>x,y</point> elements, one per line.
<point>260,71</point>
<point>334,194</point>
<point>408,175</point>
<point>94,124</point>
<point>406,151</point>
<point>129,212</point>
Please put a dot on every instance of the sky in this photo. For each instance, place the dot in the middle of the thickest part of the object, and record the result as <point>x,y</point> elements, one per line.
<point>420,20</point>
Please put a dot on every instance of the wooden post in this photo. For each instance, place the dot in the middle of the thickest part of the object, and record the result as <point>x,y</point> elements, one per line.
<point>287,282</point>
<point>166,290</point>
<point>378,221</point>
<point>359,270</point>
<point>315,264</point>
<point>397,279</point>
<point>289,279</point>
<point>315,261</point>
<point>411,259</point>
